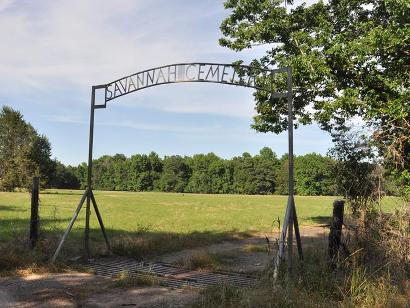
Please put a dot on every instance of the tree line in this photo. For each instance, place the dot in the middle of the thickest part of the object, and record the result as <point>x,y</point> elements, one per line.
<point>25,153</point>
<point>263,173</point>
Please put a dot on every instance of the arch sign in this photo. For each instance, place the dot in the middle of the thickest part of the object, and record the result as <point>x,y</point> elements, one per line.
<point>276,82</point>
<point>238,75</point>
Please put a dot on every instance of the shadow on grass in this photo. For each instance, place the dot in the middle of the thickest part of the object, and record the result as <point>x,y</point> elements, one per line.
<point>323,220</point>
<point>140,244</point>
<point>10,228</point>
<point>143,243</point>
<point>73,192</point>
<point>11,208</point>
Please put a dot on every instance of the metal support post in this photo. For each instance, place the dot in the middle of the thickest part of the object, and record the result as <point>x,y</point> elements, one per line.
<point>89,179</point>
<point>97,212</point>
<point>70,225</point>
<point>297,233</point>
<point>88,194</point>
<point>290,220</point>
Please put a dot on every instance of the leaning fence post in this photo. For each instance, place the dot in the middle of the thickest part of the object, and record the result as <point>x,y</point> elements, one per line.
<point>34,221</point>
<point>335,235</point>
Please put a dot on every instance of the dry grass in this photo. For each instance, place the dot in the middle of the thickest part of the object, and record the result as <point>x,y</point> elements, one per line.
<point>146,244</point>
<point>368,277</point>
<point>389,235</point>
<point>205,260</point>
<point>125,279</point>
<point>380,241</point>
<point>256,248</point>
<point>17,259</point>
<point>313,286</point>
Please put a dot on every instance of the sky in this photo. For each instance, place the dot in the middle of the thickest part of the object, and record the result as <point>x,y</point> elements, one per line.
<point>53,51</point>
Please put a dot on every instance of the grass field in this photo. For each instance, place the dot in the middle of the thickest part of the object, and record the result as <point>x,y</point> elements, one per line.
<point>209,217</point>
<point>166,212</point>
<point>147,225</point>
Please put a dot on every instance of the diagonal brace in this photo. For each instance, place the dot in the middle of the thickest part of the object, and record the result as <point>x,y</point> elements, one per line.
<point>97,212</point>
<point>70,225</point>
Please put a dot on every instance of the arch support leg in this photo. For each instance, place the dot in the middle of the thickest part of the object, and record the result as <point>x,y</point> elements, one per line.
<point>100,221</point>
<point>290,224</point>
<point>70,225</point>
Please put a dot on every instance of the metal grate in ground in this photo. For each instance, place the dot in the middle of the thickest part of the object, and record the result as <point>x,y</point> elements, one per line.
<point>169,274</point>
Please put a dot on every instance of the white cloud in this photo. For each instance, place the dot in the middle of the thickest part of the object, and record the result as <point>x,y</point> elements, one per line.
<point>5,4</point>
<point>87,42</point>
<point>165,128</point>
<point>215,128</point>
<point>71,41</point>
<point>51,47</point>
<point>66,119</point>
<point>194,98</point>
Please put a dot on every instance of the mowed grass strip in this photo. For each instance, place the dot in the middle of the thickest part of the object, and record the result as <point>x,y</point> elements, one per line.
<point>165,212</point>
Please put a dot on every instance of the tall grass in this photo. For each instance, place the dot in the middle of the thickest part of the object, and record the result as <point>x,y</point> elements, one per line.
<point>375,274</point>
<point>313,285</point>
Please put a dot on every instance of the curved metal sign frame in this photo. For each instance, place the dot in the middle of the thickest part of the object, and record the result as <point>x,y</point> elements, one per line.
<point>228,74</point>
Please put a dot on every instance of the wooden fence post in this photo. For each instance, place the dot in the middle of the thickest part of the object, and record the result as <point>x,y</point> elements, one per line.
<point>335,235</point>
<point>34,220</point>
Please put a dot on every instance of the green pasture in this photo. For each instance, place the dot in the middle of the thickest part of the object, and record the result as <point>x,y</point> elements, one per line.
<point>164,212</point>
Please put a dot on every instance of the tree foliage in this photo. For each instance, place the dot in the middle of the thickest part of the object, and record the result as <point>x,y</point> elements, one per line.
<point>313,174</point>
<point>65,177</point>
<point>349,58</point>
<point>175,174</point>
<point>354,169</point>
<point>23,152</point>
<point>263,173</point>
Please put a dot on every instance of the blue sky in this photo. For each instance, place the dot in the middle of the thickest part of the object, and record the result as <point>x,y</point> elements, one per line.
<point>54,51</point>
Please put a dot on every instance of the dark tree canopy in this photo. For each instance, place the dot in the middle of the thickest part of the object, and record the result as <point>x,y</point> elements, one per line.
<point>65,177</point>
<point>263,173</point>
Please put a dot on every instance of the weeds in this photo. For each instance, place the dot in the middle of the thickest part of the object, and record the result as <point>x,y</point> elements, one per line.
<point>203,260</point>
<point>376,274</point>
<point>125,279</point>
<point>17,259</point>
<point>312,285</point>
<point>256,248</point>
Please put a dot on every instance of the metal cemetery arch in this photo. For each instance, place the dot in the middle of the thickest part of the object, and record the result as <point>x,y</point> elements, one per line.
<point>232,74</point>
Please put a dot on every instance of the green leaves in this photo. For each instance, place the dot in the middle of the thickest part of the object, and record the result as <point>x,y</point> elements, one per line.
<point>23,152</point>
<point>349,58</point>
<point>331,47</point>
